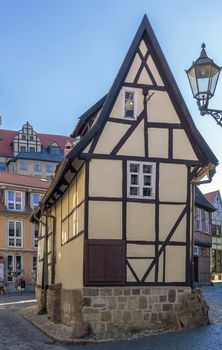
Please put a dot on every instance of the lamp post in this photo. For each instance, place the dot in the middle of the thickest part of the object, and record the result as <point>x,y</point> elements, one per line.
<point>203,77</point>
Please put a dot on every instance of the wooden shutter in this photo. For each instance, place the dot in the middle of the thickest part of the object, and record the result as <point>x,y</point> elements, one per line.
<point>104,262</point>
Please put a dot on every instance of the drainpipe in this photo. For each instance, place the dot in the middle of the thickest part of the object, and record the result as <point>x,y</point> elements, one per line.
<point>45,259</point>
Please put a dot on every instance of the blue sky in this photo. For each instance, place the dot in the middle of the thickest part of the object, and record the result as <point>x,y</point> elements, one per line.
<point>58,57</point>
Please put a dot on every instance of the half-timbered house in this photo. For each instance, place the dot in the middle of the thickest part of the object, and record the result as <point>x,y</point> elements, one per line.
<point>116,223</point>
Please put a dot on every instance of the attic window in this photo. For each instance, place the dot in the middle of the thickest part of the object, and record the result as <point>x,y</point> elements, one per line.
<point>141,180</point>
<point>129,109</point>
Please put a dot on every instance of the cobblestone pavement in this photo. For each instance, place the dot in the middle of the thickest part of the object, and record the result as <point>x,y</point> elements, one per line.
<point>15,332</point>
<point>197,339</point>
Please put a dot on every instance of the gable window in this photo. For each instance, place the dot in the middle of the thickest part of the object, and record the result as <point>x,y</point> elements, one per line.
<point>23,137</point>
<point>54,150</point>
<point>49,168</point>
<point>141,180</point>
<point>15,234</point>
<point>31,138</point>
<point>37,166</point>
<point>22,149</point>
<point>36,198</point>
<point>129,104</point>
<point>23,164</point>
<point>32,149</point>
<point>14,200</point>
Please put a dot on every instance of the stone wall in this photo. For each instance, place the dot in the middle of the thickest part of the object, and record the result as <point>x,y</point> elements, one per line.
<point>128,308</point>
<point>113,309</point>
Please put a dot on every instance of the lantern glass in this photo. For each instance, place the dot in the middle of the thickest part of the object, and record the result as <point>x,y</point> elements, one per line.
<point>192,79</point>
<point>215,71</point>
<point>203,80</point>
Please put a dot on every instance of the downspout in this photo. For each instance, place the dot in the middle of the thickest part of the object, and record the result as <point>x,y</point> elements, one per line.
<point>45,259</point>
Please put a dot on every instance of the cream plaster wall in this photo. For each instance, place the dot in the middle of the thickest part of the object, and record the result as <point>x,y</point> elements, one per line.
<point>144,78</point>
<point>105,220</point>
<point>111,135</point>
<point>173,182</point>
<point>182,148</point>
<point>175,264</point>
<point>105,178</point>
<point>160,108</point>
<point>140,250</point>
<point>140,221</point>
<point>143,47</point>
<point>134,146</point>
<point>133,69</point>
<point>158,142</point>
<point>168,216</point>
<point>154,71</point>
<point>81,185</point>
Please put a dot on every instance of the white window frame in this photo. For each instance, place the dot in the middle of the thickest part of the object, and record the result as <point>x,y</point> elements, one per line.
<point>32,147</point>
<point>14,237</point>
<point>37,165</point>
<point>14,202</point>
<point>124,90</point>
<point>141,179</point>
<point>198,219</point>
<point>20,150</point>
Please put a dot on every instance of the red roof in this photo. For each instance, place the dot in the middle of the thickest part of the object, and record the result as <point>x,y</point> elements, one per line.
<point>7,137</point>
<point>23,180</point>
<point>210,196</point>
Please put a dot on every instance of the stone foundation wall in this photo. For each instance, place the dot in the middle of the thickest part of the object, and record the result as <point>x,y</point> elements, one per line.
<point>113,309</point>
<point>128,308</point>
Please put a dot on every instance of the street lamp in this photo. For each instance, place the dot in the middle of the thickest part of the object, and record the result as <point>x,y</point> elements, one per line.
<point>203,77</point>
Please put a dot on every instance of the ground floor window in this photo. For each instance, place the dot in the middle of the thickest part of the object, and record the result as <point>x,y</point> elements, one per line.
<point>14,266</point>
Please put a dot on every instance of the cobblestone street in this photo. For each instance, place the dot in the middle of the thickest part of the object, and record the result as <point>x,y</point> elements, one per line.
<point>15,332</point>
<point>18,334</point>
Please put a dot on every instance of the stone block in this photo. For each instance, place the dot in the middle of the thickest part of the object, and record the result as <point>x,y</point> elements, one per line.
<point>163,298</point>
<point>147,316</point>
<point>90,292</point>
<point>146,291</point>
<point>122,299</point>
<point>99,301</point>
<point>122,306</point>
<point>99,327</point>
<point>172,296</point>
<point>105,291</point>
<point>167,307</point>
<point>137,315</point>
<point>142,302</point>
<point>154,317</point>
<point>111,303</point>
<point>133,304</point>
<point>87,301</point>
<point>126,316</point>
<point>157,307</point>
<point>117,291</point>
<point>136,291</point>
<point>127,291</point>
<point>153,299</point>
<point>117,316</point>
<point>106,316</point>
<point>91,315</point>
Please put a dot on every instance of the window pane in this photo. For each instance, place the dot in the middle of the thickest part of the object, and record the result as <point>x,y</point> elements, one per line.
<point>129,104</point>
<point>134,191</point>
<point>134,179</point>
<point>147,180</point>
<point>11,242</point>
<point>10,196</point>
<point>18,206</point>
<point>18,229</point>
<point>11,228</point>
<point>18,196</point>
<point>147,169</point>
<point>18,242</point>
<point>146,192</point>
<point>134,168</point>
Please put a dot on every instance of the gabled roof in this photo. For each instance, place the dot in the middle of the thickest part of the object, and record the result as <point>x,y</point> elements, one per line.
<point>201,147</point>
<point>201,201</point>
<point>210,196</point>
<point>7,137</point>
<point>205,155</point>
<point>84,118</point>
<point>23,180</point>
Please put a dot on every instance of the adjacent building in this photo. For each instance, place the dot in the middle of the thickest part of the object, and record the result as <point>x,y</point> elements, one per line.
<point>214,198</point>
<point>202,238</point>
<point>19,195</point>
<point>116,222</point>
<point>27,152</point>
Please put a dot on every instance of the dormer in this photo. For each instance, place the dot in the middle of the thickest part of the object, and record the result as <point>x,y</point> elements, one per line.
<point>54,148</point>
<point>26,140</point>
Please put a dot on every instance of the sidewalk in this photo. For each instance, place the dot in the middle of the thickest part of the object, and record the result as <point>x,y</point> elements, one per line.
<point>63,334</point>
